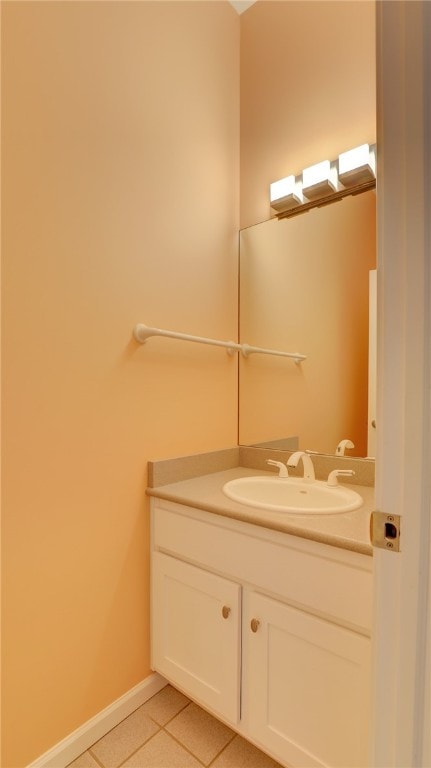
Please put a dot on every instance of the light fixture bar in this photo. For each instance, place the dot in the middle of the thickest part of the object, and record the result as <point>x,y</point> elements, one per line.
<point>320,202</point>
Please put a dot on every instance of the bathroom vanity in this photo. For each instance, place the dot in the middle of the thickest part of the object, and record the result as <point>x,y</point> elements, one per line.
<point>264,621</point>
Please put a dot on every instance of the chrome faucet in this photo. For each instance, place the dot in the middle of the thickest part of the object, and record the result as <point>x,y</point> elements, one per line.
<point>309,476</point>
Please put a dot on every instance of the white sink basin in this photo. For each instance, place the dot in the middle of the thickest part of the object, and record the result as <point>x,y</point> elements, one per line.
<point>292,495</point>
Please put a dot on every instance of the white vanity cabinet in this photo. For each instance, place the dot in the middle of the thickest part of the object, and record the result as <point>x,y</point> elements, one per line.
<point>196,624</point>
<point>307,683</point>
<point>269,631</point>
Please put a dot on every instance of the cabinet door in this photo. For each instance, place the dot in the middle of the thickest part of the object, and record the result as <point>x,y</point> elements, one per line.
<point>196,625</point>
<point>306,686</point>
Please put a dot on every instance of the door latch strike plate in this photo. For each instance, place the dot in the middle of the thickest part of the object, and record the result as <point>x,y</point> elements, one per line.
<point>385,531</point>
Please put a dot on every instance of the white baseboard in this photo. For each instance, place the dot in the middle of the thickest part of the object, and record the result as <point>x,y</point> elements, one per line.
<point>87,734</point>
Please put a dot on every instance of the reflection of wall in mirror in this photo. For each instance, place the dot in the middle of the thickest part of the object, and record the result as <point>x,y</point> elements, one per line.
<point>305,288</point>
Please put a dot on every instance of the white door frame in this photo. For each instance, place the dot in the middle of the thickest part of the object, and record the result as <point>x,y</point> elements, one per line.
<point>401,675</point>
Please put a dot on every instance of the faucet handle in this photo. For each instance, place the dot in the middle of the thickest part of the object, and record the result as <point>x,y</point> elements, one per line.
<point>282,467</point>
<point>333,476</point>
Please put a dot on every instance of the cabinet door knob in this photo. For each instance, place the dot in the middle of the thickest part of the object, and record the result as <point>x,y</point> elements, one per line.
<point>254,624</point>
<point>225,611</point>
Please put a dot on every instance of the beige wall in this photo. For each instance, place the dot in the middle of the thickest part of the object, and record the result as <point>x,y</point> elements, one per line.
<point>307,90</point>
<point>120,194</point>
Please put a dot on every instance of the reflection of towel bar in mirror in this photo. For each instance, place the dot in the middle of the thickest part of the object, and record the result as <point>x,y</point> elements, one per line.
<point>247,350</point>
<point>143,332</point>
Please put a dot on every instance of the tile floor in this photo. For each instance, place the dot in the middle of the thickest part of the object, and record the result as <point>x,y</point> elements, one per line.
<point>170,731</point>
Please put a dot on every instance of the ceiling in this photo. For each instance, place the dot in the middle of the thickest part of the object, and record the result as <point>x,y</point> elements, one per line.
<point>241,5</point>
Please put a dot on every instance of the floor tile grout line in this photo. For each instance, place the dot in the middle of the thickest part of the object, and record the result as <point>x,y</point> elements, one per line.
<point>159,727</point>
<point>98,760</point>
<point>95,756</point>
<point>207,765</point>
<point>171,718</point>
<point>171,736</point>
<point>180,743</point>
<point>234,735</point>
<point>163,728</point>
<point>143,744</point>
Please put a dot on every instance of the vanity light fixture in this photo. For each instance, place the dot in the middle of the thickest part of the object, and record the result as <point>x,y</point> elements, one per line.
<point>285,194</point>
<point>325,182</point>
<point>358,165</point>
<point>319,180</point>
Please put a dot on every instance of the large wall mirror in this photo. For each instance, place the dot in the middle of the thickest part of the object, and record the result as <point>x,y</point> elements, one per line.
<point>305,287</point>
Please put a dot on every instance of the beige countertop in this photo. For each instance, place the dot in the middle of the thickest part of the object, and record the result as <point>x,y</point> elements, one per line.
<point>349,530</point>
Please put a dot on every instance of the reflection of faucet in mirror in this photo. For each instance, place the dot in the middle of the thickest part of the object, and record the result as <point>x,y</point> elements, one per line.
<point>342,445</point>
<point>294,459</point>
